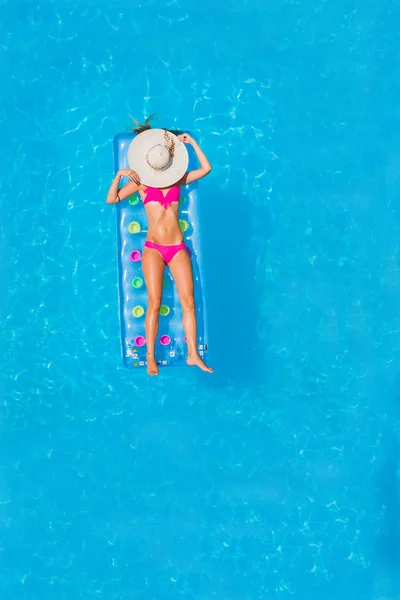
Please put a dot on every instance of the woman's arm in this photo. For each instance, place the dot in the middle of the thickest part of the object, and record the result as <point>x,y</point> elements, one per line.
<point>205,166</point>
<point>114,195</point>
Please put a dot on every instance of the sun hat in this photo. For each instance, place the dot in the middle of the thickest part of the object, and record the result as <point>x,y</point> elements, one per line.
<point>158,157</point>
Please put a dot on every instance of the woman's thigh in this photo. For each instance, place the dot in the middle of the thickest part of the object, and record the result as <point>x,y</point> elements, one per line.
<point>181,270</point>
<point>153,270</point>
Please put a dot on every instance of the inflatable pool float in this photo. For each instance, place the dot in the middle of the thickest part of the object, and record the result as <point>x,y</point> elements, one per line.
<point>171,349</point>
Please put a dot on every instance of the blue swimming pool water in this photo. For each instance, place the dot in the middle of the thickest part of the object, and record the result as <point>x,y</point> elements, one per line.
<point>278,477</point>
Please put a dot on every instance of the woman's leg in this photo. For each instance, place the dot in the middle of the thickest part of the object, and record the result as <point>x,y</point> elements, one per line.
<point>153,270</point>
<point>181,271</point>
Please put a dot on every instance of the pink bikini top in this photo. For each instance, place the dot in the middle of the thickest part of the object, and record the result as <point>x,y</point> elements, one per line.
<point>156,195</point>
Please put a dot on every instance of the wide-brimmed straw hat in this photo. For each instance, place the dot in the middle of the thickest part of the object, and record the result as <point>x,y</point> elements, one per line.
<point>158,157</point>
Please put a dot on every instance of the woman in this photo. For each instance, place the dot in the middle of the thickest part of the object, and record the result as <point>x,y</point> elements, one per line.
<point>159,163</point>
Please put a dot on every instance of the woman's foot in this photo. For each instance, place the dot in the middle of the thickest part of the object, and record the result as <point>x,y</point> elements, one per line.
<point>195,361</point>
<point>152,368</point>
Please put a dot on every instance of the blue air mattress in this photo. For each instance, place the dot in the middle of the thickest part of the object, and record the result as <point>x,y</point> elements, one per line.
<point>171,349</point>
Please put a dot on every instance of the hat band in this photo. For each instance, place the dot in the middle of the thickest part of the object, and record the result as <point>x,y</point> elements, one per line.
<point>152,166</point>
<point>169,144</point>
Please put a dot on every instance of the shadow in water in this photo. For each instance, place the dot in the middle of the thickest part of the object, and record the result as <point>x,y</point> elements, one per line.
<point>231,279</point>
<point>387,546</point>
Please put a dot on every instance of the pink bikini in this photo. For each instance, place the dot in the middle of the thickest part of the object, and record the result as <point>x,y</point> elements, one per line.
<point>156,195</point>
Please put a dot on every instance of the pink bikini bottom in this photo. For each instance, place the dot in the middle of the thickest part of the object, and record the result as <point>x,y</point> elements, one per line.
<point>167,252</point>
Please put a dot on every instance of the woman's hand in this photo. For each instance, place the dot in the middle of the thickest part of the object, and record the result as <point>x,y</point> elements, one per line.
<point>205,166</point>
<point>132,175</point>
<point>185,138</point>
